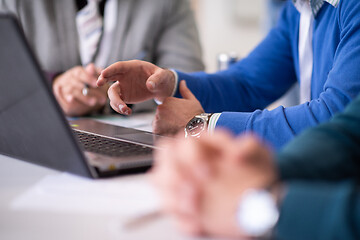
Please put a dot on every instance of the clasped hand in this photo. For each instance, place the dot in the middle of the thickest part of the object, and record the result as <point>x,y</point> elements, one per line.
<point>68,88</point>
<point>201,181</point>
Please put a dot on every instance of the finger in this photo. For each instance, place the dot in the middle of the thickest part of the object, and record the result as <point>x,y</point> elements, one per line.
<point>179,192</point>
<point>121,109</point>
<point>81,75</point>
<point>159,81</point>
<point>88,100</point>
<point>57,89</point>
<point>248,144</point>
<point>161,153</point>
<point>161,127</point>
<point>184,203</point>
<point>250,149</point>
<point>101,81</point>
<point>117,68</point>
<point>74,91</point>
<point>91,69</point>
<point>194,159</point>
<point>169,164</point>
<point>155,125</point>
<point>191,161</point>
<point>116,102</point>
<point>72,107</point>
<point>69,89</point>
<point>98,94</point>
<point>114,71</point>
<point>60,96</point>
<point>75,84</point>
<point>189,224</point>
<point>185,91</point>
<point>213,145</point>
<point>212,150</point>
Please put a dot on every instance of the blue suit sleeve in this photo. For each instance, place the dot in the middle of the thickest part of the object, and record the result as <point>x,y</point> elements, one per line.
<point>241,92</point>
<point>320,211</point>
<point>252,83</point>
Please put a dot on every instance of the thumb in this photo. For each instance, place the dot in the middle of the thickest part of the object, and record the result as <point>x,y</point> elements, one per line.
<point>185,91</point>
<point>158,82</point>
<point>91,69</point>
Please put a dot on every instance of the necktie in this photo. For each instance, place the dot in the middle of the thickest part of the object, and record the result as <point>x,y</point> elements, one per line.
<point>305,49</point>
<point>105,46</point>
<point>89,25</point>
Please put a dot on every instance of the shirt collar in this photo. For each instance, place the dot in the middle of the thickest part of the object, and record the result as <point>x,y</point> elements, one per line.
<point>316,5</point>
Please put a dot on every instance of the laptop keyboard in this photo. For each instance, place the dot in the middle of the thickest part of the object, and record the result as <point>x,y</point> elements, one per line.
<point>110,147</point>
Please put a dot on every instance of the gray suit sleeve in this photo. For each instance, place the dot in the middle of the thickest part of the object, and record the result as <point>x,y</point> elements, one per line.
<point>179,45</point>
<point>320,211</point>
<point>7,6</point>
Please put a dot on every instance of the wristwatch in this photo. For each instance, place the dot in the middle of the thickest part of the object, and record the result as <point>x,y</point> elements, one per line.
<point>257,213</point>
<point>198,125</point>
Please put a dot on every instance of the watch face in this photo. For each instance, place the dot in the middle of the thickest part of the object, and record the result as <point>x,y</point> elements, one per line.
<point>195,126</point>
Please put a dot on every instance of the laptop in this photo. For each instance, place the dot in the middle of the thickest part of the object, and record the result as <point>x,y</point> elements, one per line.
<point>33,127</point>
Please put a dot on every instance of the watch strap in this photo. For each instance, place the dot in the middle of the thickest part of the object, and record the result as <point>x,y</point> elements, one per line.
<point>257,213</point>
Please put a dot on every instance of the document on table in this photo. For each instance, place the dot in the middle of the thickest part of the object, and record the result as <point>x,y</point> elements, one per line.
<point>140,121</point>
<point>128,196</point>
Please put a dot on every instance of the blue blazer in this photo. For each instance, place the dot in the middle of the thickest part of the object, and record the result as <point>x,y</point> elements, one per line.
<point>243,91</point>
<point>322,169</point>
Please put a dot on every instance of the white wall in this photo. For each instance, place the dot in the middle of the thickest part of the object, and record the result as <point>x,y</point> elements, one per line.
<point>233,26</point>
<point>228,25</point>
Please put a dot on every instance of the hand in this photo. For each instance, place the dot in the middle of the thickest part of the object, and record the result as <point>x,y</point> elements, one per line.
<point>68,87</point>
<point>136,81</point>
<point>174,113</point>
<point>201,180</point>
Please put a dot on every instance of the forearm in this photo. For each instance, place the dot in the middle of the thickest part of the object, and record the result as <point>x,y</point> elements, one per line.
<point>281,125</point>
<point>252,83</point>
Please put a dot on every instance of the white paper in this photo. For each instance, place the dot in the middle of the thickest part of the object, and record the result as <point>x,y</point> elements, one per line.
<point>140,121</point>
<point>123,196</point>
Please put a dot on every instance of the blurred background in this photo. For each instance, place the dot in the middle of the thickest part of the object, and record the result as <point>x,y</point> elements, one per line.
<point>236,26</point>
<point>229,26</point>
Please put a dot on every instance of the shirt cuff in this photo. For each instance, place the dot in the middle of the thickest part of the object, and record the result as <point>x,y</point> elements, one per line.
<point>175,86</point>
<point>50,76</point>
<point>176,82</point>
<point>212,122</point>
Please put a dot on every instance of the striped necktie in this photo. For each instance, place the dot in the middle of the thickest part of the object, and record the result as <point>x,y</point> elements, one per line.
<point>305,49</point>
<point>308,10</point>
<point>89,25</point>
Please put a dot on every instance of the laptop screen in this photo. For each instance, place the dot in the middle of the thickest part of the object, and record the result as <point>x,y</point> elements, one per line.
<point>32,125</point>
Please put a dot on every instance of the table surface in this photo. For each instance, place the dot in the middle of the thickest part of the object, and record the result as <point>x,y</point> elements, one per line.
<point>17,178</point>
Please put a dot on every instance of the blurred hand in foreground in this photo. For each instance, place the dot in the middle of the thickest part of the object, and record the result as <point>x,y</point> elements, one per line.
<point>201,180</point>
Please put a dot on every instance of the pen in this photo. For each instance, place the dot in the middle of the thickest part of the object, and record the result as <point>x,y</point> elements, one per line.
<point>143,219</point>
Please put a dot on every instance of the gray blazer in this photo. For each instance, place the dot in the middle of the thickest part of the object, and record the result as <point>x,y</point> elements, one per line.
<point>159,31</point>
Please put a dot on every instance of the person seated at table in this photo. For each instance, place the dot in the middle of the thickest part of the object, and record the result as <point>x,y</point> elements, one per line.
<point>295,50</point>
<point>223,186</point>
<point>74,39</point>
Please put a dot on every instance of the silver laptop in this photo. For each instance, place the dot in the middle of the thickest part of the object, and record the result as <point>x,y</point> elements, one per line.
<point>33,127</point>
